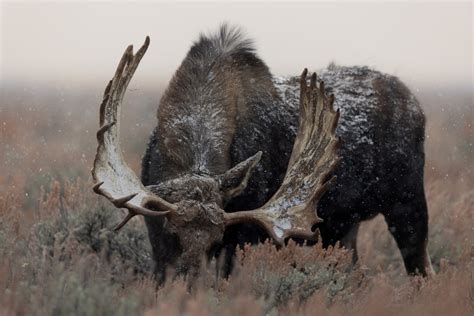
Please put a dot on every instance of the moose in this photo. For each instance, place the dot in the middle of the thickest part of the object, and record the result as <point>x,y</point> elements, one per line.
<point>239,156</point>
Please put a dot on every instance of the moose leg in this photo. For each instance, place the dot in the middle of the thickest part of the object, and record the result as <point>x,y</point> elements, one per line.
<point>349,241</point>
<point>239,235</point>
<point>408,224</point>
<point>343,230</point>
<point>165,247</point>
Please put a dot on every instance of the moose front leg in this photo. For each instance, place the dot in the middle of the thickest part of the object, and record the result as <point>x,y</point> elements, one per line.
<point>349,241</point>
<point>165,246</point>
<point>341,230</point>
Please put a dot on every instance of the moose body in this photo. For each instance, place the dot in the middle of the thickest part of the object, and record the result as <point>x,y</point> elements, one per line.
<point>239,156</point>
<point>223,105</point>
<point>381,170</point>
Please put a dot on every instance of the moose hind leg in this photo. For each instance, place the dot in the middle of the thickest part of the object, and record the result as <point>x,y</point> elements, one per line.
<point>408,223</point>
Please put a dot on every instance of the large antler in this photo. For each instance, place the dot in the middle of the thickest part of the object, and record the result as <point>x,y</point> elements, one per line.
<point>112,176</point>
<point>292,209</point>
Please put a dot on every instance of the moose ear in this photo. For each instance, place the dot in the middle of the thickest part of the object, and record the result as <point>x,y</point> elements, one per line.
<point>234,181</point>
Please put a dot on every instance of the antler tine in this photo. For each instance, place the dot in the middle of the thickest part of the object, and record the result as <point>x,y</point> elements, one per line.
<point>129,216</point>
<point>291,212</point>
<point>105,99</point>
<point>114,179</point>
<point>135,60</point>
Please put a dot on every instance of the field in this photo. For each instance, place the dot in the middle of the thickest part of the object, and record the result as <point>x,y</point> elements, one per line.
<point>59,255</point>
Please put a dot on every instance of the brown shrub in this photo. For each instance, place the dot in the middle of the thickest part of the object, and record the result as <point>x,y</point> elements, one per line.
<point>59,255</point>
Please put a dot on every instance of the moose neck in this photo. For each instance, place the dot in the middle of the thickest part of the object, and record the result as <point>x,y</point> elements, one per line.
<point>197,117</point>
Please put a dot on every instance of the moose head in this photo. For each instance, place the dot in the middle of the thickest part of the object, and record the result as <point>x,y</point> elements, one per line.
<point>193,205</point>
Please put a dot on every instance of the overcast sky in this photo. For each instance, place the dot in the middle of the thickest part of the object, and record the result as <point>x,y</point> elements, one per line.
<point>79,43</point>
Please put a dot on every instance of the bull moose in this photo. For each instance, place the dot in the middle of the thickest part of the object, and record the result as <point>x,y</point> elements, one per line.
<point>239,155</point>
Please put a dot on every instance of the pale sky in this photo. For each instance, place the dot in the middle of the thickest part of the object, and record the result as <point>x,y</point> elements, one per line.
<point>80,43</point>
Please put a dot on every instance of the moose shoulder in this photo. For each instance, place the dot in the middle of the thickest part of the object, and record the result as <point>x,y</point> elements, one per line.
<point>231,137</point>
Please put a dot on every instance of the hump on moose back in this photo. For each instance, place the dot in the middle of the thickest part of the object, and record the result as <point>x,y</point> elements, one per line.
<point>239,155</point>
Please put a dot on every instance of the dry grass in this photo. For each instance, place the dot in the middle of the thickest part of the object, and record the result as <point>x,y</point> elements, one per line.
<point>59,255</point>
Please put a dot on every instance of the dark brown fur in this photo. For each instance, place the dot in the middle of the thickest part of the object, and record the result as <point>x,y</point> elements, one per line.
<point>223,105</point>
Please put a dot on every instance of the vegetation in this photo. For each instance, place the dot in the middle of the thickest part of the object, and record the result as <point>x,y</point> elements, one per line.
<point>59,255</point>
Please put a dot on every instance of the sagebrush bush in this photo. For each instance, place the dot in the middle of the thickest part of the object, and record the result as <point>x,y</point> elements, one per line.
<point>294,272</point>
<point>59,255</point>
<point>70,262</point>
<point>67,260</point>
<point>77,224</point>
